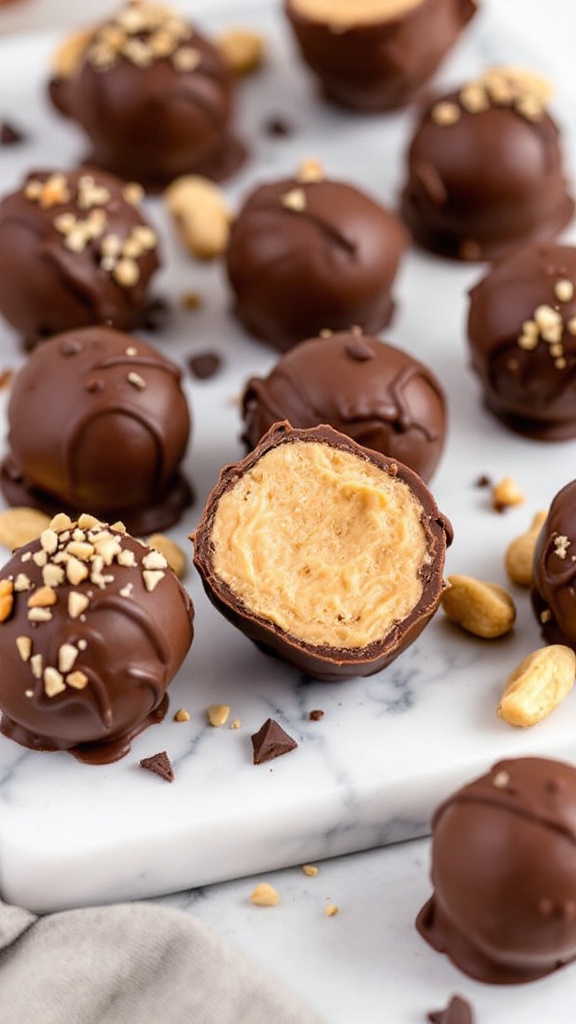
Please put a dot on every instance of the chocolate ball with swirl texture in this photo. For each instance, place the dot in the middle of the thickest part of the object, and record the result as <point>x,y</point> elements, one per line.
<point>376,54</point>
<point>75,250</point>
<point>94,626</point>
<point>98,419</point>
<point>554,570</point>
<point>485,169</point>
<point>522,340</point>
<point>504,873</point>
<point>307,254</point>
<point>153,95</point>
<point>375,393</point>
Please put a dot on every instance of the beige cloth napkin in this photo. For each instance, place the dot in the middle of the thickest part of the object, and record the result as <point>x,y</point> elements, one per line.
<point>131,963</point>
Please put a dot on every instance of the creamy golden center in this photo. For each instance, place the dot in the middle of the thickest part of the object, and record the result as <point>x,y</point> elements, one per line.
<point>348,13</point>
<point>322,543</point>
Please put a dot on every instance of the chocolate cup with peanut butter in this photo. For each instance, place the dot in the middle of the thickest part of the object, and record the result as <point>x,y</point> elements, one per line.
<point>325,553</point>
<point>375,55</point>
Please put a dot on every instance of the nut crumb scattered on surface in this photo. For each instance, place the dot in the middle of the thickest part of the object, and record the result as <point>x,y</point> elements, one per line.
<point>506,494</point>
<point>331,910</point>
<point>182,715</point>
<point>242,49</point>
<point>310,869</point>
<point>316,714</point>
<point>265,895</point>
<point>218,714</point>
<point>235,723</point>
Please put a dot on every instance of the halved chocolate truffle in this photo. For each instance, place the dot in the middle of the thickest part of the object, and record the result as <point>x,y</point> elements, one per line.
<point>554,573</point>
<point>485,169</point>
<point>375,393</point>
<point>325,553</point>
<point>504,873</point>
<point>307,254</point>
<point>522,340</point>
<point>93,628</point>
<point>75,250</point>
<point>98,420</point>
<point>153,95</point>
<point>376,54</point>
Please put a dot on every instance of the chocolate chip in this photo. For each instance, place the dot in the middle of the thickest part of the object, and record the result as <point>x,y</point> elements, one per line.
<point>458,1011</point>
<point>204,365</point>
<point>271,741</point>
<point>483,481</point>
<point>9,134</point>
<point>159,764</point>
<point>316,715</point>
<point>278,127</point>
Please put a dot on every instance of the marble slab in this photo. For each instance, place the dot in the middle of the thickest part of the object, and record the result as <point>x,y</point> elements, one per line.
<point>388,748</point>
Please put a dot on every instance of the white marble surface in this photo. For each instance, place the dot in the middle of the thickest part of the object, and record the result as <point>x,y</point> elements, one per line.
<point>387,748</point>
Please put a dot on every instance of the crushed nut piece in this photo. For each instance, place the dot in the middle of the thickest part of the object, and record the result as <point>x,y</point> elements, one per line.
<point>53,682</point>
<point>506,494</point>
<point>294,200</point>
<point>445,113</point>
<point>6,599</point>
<point>24,646</point>
<point>242,49</point>
<point>171,551</point>
<point>182,715</point>
<point>44,597</point>
<point>77,604</point>
<point>265,895</point>
<point>331,910</point>
<point>77,680</point>
<point>310,869</point>
<point>218,714</point>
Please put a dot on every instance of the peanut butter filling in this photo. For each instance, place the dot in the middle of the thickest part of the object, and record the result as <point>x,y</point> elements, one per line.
<point>343,14</point>
<point>322,543</point>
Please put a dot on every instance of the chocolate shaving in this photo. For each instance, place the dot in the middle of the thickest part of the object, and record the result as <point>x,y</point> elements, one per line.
<point>271,741</point>
<point>458,1011</point>
<point>159,764</point>
<point>204,365</point>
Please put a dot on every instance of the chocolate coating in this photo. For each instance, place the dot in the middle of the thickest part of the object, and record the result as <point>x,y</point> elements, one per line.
<point>74,252</point>
<point>90,671</point>
<point>155,98</point>
<point>504,873</point>
<point>554,575</point>
<point>369,390</point>
<point>304,256</point>
<point>322,661</point>
<point>384,64</point>
<point>522,340</point>
<point>110,436</point>
<point>485,171</point>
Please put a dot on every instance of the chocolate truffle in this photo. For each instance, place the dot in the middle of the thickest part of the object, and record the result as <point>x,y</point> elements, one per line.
<point>325,553</point>
<point>98,420</point>
<point>554,571</point>
<point>93,628</point>
<point>504,873</point>
<point>485,169</point>
<point>375,393</point>
<point>308,254</point>
<point>153,95</point>
<point>75,250</point>
<point>376,54</point>
<point>522,340</point>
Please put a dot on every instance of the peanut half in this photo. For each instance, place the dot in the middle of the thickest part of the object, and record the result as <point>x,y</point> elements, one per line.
<point>484,609</point>
<point>538,685</point>
<point>201,215</point>
<point>519,556</point>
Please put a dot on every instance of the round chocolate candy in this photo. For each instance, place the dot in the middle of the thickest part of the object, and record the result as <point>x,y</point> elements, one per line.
<point>504,873</point>
<point>485,169</point>
<point>522,340</point>
<point>554,572</point>
<point>75,250</point>
<point>308,254</point>
<point>97,419</point>
<point>153,95</point>
<point>323,552</point>
<point>93,628</point>
<point>375,393</point>
<point>376,54</point>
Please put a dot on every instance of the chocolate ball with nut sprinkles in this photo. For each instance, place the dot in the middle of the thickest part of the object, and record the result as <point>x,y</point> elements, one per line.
<point>325,553</point>
<point>485,169</point>
<point>310,253</point>
<point>504,873</point>
<point>554,570</point>
<point>75,250</point>
<point>372,391</point>
<point>94,626</point>
<point>372,55</point>
<point>98,420</point>
<point>522,340</point>
<point>153,95</point>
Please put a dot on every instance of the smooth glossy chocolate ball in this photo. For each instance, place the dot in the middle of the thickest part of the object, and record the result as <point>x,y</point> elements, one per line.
<point>373,392</point>
<point>307,255</point>
<point>98,420</point>
<point>94,626</point>
<point>376,54</point>
<point>504,873</point>
<point>485,169</point>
